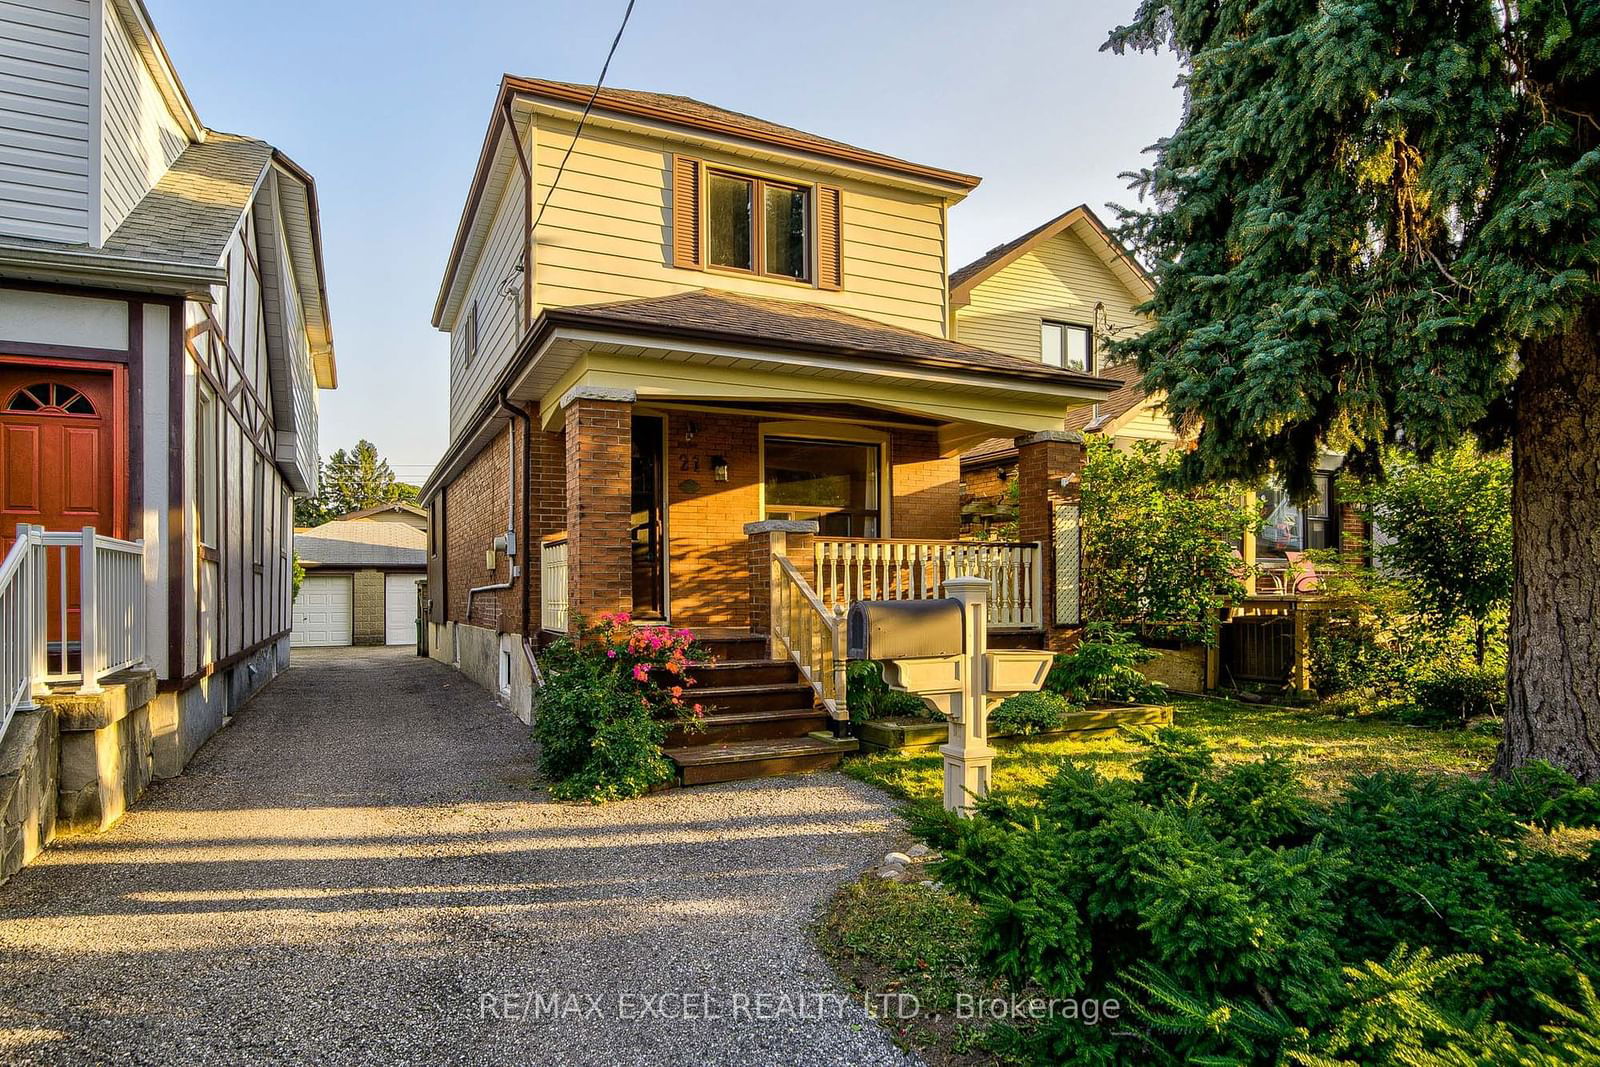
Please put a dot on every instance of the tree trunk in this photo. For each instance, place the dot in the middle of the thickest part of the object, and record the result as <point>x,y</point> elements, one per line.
<point>1553,707</point>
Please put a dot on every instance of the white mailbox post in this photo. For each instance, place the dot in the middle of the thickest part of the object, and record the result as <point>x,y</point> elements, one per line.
<point>962,679</point>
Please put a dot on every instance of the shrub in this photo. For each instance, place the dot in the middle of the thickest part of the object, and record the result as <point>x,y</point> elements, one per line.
<point>609,698</point>
<point>1156,557</point>
<point>1454,695</point>
<point>1031,713</point>
<point>869,696</point>
<point>1104,666</point>
<point>1413,921</point>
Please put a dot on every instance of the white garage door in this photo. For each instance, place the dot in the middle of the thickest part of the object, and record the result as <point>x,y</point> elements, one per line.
<point>400,608</point>
<point>322,612</point>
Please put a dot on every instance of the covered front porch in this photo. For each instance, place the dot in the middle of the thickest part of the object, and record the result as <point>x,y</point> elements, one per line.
<point>758,492</point>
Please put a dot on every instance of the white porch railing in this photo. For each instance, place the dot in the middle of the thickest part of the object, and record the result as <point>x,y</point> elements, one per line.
<point>851,569</point>
<point>553,584</point>
<point>809,634</point>
<point>36,650</point>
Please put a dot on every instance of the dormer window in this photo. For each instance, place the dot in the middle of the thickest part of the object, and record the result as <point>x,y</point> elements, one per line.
<point>1068,346</point>
<point>757,225</point>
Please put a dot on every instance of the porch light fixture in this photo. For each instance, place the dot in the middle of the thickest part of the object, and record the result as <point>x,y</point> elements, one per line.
<point>690,428</point>
<point>719,468</point>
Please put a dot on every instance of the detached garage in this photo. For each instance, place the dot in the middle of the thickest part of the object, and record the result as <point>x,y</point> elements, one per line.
<point>361,580</point>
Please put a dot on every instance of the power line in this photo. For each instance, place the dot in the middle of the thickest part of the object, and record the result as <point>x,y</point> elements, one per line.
<point>598,82</point>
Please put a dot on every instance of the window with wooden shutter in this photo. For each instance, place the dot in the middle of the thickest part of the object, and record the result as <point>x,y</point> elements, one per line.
<point>830,226</point>
<point>686,243</point>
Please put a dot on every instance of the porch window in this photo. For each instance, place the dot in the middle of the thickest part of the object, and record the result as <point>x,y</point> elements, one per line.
<point>758,226</point>
<point>1065,345</point>
<point>1287,527</point>
<point>834,483</point>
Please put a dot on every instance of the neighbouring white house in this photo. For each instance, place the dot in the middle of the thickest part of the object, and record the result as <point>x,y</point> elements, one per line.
<point>164,333</point>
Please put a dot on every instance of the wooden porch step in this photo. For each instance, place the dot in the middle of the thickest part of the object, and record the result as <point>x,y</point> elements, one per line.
<point>744,672</point>
<point>751,726</point>
<point>733,645</point>
<point>781,696</point>
<point>735,761</point>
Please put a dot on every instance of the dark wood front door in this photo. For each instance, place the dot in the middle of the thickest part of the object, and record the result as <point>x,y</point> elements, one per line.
<point>58,449</point>
<point>647,529</point>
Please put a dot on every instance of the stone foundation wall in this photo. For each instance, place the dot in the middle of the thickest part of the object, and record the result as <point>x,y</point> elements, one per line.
<point>29,757</point>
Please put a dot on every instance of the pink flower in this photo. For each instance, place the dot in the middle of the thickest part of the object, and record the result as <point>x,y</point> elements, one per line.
<point>611,653</point>
<point>640,672</point>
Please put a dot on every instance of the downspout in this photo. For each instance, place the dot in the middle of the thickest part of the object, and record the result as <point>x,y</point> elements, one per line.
<point>527,218</point>
<point>527,494</point>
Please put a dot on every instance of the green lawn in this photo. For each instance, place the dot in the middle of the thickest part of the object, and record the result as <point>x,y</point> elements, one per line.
<point>1327,751</point>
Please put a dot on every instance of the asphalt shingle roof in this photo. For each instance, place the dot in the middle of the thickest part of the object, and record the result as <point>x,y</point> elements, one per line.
<point>358,543</point>
<point>779,323</point>
<point>190,215</point>
<point>193,210</point>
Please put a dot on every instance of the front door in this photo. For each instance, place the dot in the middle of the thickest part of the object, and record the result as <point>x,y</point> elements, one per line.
<point>647,529</point>
<point>57,456</point>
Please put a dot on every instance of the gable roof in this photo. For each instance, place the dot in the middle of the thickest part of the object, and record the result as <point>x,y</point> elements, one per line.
<point>963,281</point>
<point>681,112</point>
<point>1090,418</point>
<point>347,543</point>
<point>720,316</point>
<point>696,114</point>
<point>396,505</point>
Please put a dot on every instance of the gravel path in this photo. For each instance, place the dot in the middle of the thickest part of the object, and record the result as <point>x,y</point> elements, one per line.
<point>356,871</point>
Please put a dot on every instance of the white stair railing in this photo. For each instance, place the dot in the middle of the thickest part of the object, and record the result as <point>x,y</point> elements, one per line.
<point>809,634</point>
<point>110,615</point>
<point>850,569</point>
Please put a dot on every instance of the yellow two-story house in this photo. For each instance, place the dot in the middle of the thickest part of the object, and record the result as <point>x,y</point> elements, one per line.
<point>694,356</point>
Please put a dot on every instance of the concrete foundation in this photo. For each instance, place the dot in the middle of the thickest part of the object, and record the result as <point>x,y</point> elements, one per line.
<point>491,660</point>
<point>183,720</point>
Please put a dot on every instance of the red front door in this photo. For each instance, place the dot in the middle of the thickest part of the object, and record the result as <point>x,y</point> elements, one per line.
<point>58,449</point>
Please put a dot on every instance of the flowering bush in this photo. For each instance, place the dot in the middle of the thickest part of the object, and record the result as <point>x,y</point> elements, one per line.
<point>611,694</point>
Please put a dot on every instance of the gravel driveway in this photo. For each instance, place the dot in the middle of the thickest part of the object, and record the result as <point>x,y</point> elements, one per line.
<point>357,871</point>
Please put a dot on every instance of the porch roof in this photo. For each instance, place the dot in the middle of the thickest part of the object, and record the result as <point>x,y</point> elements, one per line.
<point>718,316</point>
<point>710,347</point>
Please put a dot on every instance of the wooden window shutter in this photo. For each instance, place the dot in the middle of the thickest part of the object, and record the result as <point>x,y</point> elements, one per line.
<point>686,242</point>
<point>830,229</point>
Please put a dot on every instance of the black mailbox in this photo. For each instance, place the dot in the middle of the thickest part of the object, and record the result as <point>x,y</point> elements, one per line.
<point>906,629</point>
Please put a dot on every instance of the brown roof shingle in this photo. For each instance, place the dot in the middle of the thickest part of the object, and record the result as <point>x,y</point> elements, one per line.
<point>706,314</point>
<point>697,113</point>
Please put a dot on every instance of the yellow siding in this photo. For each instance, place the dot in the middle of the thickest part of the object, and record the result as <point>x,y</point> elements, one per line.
<point>1146,424</point>
<point>606,235</point>
<point>1060,280</point>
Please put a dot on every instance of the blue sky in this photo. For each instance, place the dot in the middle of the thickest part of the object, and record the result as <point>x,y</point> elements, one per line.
<point>386,104</point>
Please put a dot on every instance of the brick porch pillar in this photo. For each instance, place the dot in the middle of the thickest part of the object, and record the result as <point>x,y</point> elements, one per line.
<point>1049,464</point>
<point>769,538</point>
<point>599,489</point>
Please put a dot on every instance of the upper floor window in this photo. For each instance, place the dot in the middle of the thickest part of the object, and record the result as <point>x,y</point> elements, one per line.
<point>757,225</point>
<point>1063,344</point>
<point>470,343</point>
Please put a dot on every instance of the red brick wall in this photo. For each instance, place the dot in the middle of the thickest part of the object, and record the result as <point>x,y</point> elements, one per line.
<point>1353,533</point>
<point>983,491</point>
<point>710,561</point>
<point>925,486</point>
<point>475,514</point>
<point>1040,468</point>
<point>599,466</point>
